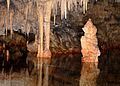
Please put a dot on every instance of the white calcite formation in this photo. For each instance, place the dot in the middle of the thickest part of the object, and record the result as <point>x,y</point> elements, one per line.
<point>89,42</point>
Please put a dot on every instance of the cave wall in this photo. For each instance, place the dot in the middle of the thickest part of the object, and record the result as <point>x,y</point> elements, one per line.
<point>66,34</point>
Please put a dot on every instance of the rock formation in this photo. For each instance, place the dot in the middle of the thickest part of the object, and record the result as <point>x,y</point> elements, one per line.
<point>90,50</point>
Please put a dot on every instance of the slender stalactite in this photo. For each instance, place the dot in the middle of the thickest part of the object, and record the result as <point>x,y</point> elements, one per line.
<point>28,30</point>
<point>6,24</point>
<point>26,14</point>
<point>54,19</point>
<point>7,19</point>
<point>68,5</point>
<point>11,22</point>
<point>62,8</point>
<point>65,9</point>
<point>8,4</point>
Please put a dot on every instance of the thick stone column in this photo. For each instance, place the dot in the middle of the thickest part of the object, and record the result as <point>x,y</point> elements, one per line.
<point>90,52</point>
<point>44,54</point>
<point>40,42</point>
<point>46,25</point>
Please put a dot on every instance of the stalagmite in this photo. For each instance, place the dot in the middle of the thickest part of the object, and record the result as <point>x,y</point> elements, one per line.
<point>90,52</point>
<point>89,43</point>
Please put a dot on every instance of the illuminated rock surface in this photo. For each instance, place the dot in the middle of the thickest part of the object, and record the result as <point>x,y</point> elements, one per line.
<point>89,43</point>
<point>90,52</point>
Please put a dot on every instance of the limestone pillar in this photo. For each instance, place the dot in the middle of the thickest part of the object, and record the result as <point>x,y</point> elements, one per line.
<point>44,54</point>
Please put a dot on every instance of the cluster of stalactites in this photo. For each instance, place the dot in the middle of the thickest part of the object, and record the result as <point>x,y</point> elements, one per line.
<point>67,5</point>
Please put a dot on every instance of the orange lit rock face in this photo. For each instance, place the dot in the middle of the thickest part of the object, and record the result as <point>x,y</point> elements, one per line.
<point>90,50</point>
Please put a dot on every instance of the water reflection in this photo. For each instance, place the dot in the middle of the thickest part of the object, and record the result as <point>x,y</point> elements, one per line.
<point>109,65</point>
<point>16,79</point>
<point>62,71</point>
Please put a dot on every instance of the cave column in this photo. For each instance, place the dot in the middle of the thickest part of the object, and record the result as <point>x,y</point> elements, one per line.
<point>46,25</point>
<point>90,52</point>
<point>47,53</point>
<point>44,54</point>
<point>40,42</point>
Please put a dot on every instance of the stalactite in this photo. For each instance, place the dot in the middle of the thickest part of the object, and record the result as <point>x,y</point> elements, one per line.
<point>54,11</point>
<point>28,30</point>
<point>81,2</point>
<point>84,6</point>
<point>62,9</point>
<point>54,19</point>
<point>65,9</point>
<point>6,24</point>
<point>26,14</point>
<point>8,4</point>
<point>69,5</point>
<point>11,20</point>
<point>29,7</point>
<point>7,19</point>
